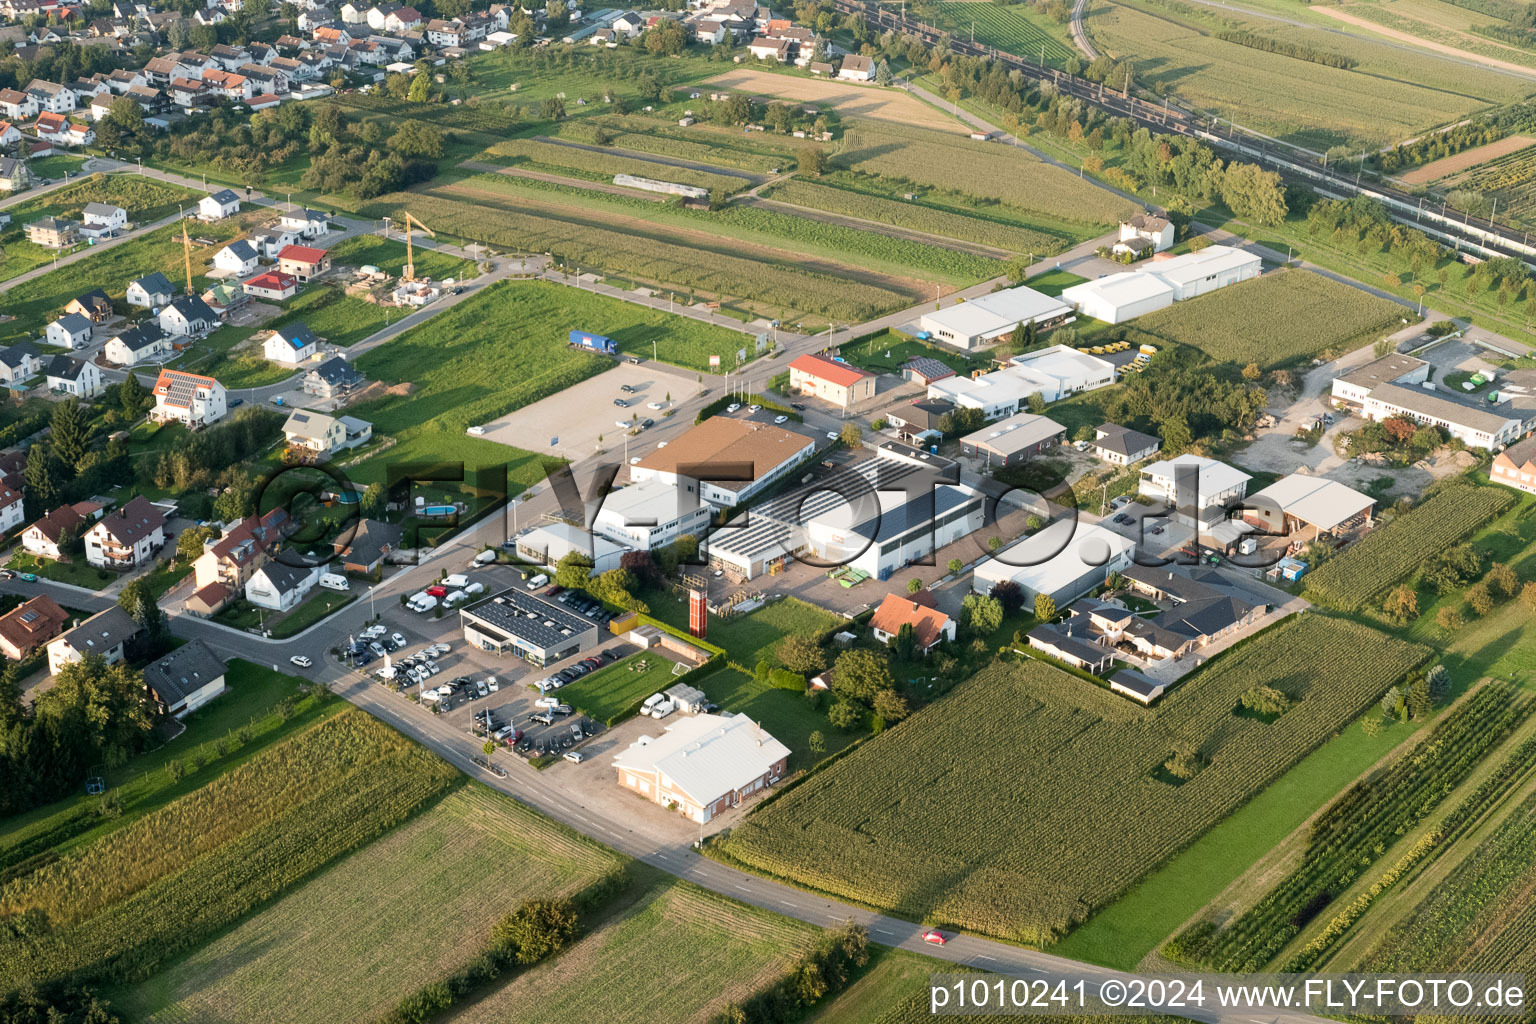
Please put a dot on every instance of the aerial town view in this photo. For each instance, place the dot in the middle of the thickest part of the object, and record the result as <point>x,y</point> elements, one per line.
<point>849,512</point>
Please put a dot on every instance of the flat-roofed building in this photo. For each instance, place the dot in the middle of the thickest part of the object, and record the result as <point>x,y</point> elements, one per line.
<point>1013,440</point>
<point>652,513</point>
<point>970,324</point>
<point>527,625</point>
<point>1065,560</point>
<point>732,459</point>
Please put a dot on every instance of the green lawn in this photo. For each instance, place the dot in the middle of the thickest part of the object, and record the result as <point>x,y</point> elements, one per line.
<point>315,607</point>
<point>77,572</point>
<point>56,166</point>
<point>244,721</point>
<point>886,351</point>
<point>612,690</point>
<point>1054,282</point>
<point>389,256</point>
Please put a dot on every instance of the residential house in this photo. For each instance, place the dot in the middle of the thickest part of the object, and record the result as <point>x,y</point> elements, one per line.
<point>52,535</point>
<point>19,362</point>
<point>95,305</point>
<point>72,376</point>
<point>51,97</point>
<point>272,285</point>
<point>17,105</point>
<point>126,538</point>
<point>144,342</point>
<point>70,331</point>
<point>441,32</point>
<point>1199,490</point>
<point>406,19</point>
<point>225,297</point>
<point>11,512</point>
<point>186,315</point>
<point>238,259</point>
<point>368,545</point>
<point>280,587</point>
<point>710,31</point>
<point>14,175</point>
<point>1145,232</point>
<point>53,232</point>
<point>856,68</point>
<point>333,378</point>
<point>150,291</point>
<point>314,434</point>
<point>221,204</point>
<point>230,84</point>
<point>188,398</point>
<point>703,765</point>
<point>303,262</point>
<point>929,625</point>
<point>306,223</point>
<point>185,679</point>
<point>273,239</point>
<point>29,626</point>
<point>242,549</point>
<point>1516,466</point>
<point>1122,446</point>
<point>103,220</point>
<point>291,345</point>
<point>105,634</point>
<point>263,81</point>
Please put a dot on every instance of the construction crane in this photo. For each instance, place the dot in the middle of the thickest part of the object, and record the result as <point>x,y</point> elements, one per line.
<point>186,254</point>
<point>410,263</point>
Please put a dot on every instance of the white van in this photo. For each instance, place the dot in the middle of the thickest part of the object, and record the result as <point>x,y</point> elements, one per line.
<point>651,701</point>
<point>538,581</point>
<point>474,588</point>
<point>663,709</point>
<point>456,598</point>
<point>333,581</point>
<point>485,557</point>
<point>456,582</point>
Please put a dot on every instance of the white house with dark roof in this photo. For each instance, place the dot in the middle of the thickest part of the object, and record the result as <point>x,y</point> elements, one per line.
<point>291,344</point>
<point>142,343</point>
<point>187,314</point>
<point>238,259</point>
<point>1122,446</point>
<point>185,679</point>
<point>151,291</point>
<point>279,587</point>
<point>126,538</point>
<point>19,362</point>
<point>72,376</point>
<point>102,220</point>
<point>221,204</point>
<point>72,330</point>
<point>106,634</point>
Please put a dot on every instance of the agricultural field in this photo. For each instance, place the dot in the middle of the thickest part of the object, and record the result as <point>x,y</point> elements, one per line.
<point>122,906</point>
<point>601,165</point>
<point>913,840</point>
<point>1508,179</point>
<point>917,216</point>
<point>1003,173</point>
<point>35,302</point>
<point>389,256</point>
<point>1391,94</point>
<point>703,143</point>
<point>676,955</point>
<point>411,907</point>
<point>1446,28</point>
<point>1237,324</point>
<point>1467,159</point>
<point>1393,552</point>
<point>1018,28</point>
<point>145,199</point>
<point>846,98</point>
<point>767,282</point>
<point>1359,827</point>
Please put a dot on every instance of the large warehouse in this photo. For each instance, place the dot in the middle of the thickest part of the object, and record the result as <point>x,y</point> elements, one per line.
<point>747,456</point>
<point>527,625</point>
<point>1162,282</point>
<point>1065,560</point>
<point>1013,440</point>
<point>967,325</point>
<point>1052,373</point>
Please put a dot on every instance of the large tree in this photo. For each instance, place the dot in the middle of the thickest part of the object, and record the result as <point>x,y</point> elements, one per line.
<point>860,674</point>
<point>800,653</point>
<point>70,435</point>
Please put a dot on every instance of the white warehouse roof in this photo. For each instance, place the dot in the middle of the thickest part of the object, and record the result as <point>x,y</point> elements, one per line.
<point>999,311</point>
<point>706,755</point>
<point>1318,501</point>
<point>1122,289</point>
<point>1055,558</point>
<point>1215,477</point>
<point>1190,267</point>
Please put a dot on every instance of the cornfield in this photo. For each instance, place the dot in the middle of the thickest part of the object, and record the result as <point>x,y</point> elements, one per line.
<point>1073,806</point>
<point>121,907</point>
<point>1393,552</point>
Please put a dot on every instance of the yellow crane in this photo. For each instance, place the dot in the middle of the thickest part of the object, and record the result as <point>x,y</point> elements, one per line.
<point>410,262</point>
<point>186,253</point>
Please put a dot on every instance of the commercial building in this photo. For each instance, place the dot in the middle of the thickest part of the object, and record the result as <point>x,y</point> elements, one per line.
<point>920,422</point>
<point>1516,466</point>
<point>1116,298</point>
<point>1399,386</point>
<point>652,513</point>
<point>1299,504</point>
<point>529,626</point>
<point>968,325</point>
<point>106,634</point>
<point>1198,490</point>
<point>185,679</point>
<point>703,764</point>
<point>1065,560</point>
<point>732,459</point>
<point>549,542</point>
<point>1052,373</point>
<point>1013,440</point>
<point>830,380</point>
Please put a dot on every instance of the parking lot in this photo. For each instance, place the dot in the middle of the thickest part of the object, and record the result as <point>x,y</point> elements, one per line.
<point>570,422</point>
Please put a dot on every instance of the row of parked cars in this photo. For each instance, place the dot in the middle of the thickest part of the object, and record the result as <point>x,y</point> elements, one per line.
<point>571,673</point>
<point>463,687</point>
<point>580,602</point>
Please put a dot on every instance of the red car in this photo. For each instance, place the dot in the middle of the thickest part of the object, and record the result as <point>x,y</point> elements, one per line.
<point>936,937</point>
<point>437,591</point>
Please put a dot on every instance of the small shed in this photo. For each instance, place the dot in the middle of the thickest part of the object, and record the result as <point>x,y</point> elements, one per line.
<point>687,698</point>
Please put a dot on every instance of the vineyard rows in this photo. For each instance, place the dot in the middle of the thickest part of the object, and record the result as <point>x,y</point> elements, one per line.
<point>584,163</point>
<point>1510,178</point>
<point>366,778</point>
<point>1005,27</point>
<point>1075,807</point>
<point>1392,552</point>
<point>526,227</point>
<point>1358,827</point>
<point>916,217</point>
<point>648,136</point>
<point>1004,173</point>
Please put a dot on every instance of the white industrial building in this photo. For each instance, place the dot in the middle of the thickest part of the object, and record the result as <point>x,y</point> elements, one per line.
<point>1052,373</point>
<point>650,514</point>
<point>1065,560</point>
<point>1124,296</point>
<point>1199,490</point>
<point>732,459</point>
<point>547,543</point>
<point>1399,386</point>
<point>967,325</point>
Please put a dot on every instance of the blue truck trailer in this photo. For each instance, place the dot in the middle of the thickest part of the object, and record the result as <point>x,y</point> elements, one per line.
<point>594,342</point>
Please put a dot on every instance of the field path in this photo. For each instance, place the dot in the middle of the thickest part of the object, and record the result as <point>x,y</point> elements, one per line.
<point>1426,44</point>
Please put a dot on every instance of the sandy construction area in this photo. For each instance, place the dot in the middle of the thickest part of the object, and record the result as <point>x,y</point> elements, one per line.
<point>848,99</point>
<point>1467,158</point>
